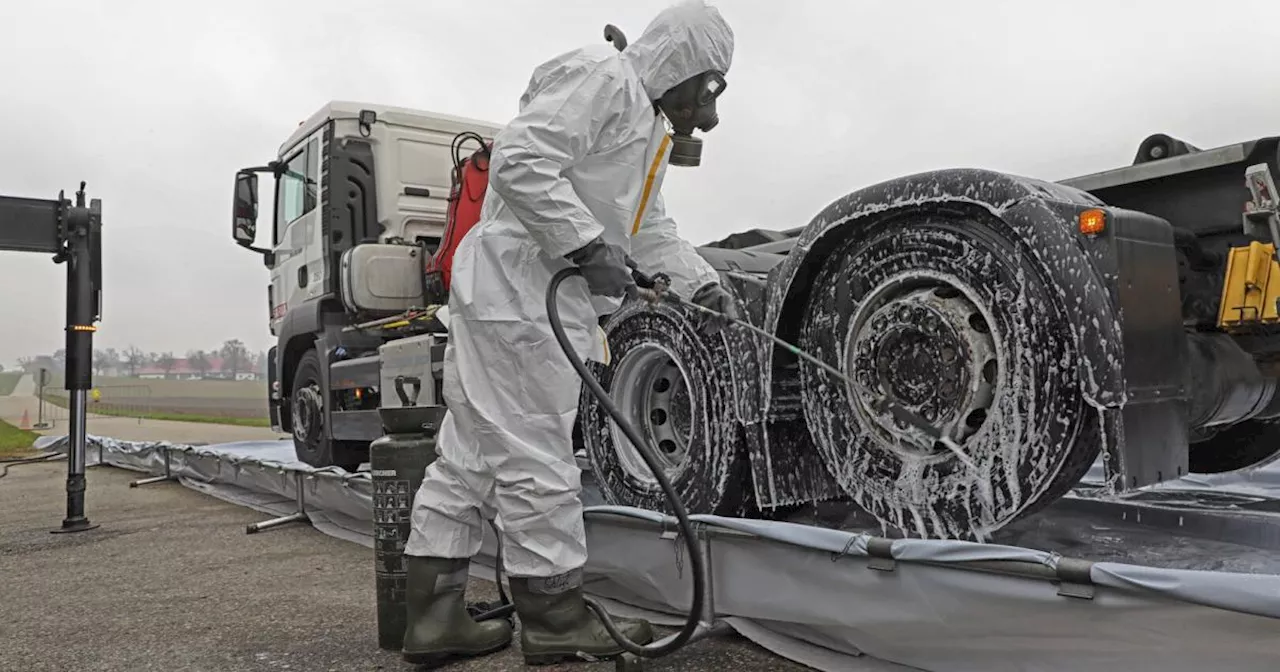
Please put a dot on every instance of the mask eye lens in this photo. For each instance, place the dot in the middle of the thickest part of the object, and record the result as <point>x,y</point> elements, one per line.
<point>712,86</point>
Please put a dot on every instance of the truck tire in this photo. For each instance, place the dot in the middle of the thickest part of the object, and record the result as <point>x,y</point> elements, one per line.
<point>1248,444</point>
<point>958,320</point>
<point>311,443</point>
<point>675,385</point>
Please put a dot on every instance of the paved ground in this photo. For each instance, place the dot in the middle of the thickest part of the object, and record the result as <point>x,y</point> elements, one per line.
<point>170,581</point>
<point>132,429</point>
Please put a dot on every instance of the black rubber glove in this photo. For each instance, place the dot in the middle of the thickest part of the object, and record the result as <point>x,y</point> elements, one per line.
<point>717,298</point>
<point>604,267</point>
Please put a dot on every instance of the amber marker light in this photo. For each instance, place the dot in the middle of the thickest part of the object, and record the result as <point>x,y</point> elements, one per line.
<point>1093,222</point>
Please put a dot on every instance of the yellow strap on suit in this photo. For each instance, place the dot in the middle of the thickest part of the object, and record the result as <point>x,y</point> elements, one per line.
<point>648,183</point>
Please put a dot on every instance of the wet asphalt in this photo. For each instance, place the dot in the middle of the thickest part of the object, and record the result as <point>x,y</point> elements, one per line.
<point>170,581</point>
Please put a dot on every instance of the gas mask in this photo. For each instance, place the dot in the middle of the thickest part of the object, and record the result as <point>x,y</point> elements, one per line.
<point>690,105</point>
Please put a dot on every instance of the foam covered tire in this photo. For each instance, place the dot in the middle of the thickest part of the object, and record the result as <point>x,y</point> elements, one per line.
<point>952,317</point>
<point>676,387</point>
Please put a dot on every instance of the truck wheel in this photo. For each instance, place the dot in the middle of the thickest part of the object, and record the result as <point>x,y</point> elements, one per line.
<point>676,387</point>
<point>311,442</point>
<point>957,320</point>
<point>1250,443</point>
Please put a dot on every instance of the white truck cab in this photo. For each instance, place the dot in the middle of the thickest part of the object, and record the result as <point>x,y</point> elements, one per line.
<point>360,200</point>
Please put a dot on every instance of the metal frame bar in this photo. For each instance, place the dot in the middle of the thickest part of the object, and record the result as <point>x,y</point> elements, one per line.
<point>166,476</point>
<point>42,380</point>
<point>1185,163</point>
<point>299,516</point>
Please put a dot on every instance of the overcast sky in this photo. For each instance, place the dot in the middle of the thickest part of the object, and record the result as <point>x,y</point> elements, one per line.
<point>156,104</point>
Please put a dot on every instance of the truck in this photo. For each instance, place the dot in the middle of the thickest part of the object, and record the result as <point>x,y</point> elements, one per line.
<point>1127,318</point>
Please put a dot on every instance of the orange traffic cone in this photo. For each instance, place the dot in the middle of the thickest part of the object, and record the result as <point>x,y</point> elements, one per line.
<point>26,420</point>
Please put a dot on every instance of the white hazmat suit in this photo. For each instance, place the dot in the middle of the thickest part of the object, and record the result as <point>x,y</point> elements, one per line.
<point>584,157</point>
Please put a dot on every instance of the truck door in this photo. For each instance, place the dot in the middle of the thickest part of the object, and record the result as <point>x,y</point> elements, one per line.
<point>299,272</point>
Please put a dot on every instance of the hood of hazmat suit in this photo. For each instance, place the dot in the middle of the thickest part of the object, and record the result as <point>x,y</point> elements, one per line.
<point>587,153</point>
<point>687,39</point>
<point>584,157</point>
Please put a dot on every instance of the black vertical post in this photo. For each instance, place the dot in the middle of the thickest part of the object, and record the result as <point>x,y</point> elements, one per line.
<point>83,255</point>
<point>41,379</point>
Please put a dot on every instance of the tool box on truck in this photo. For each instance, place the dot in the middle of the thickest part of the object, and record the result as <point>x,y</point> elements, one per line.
<point>409,360</point>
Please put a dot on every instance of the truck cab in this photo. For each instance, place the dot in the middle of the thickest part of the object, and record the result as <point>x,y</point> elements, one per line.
<point>360,195</point>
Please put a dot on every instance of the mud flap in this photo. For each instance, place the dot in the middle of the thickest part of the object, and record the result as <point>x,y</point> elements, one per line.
<point>1144,429</point>
<point>786,468</point>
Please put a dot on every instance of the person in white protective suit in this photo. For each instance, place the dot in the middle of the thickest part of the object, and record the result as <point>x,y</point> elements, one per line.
<point>574,179</point>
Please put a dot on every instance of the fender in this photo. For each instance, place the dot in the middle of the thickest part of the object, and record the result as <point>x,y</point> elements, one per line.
<point>305,318</point>
<point>743,274</point>
<point>1090,275</point>
<point>796,475</point>
<point>301,325</point>
<point>273,391</point>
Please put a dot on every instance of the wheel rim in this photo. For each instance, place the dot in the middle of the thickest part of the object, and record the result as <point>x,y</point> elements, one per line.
<point>925,344</point>
<point>308,413</point>
<point>652,392</point>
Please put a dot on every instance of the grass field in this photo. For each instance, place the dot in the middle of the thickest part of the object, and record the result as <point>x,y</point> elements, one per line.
<point>204,389</point>
<point>8,381</point>
<point>230,402</point>
<point>15,442</point>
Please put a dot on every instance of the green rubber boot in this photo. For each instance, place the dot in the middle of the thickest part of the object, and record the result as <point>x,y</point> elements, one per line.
<point>556,626</point>
<point>439,629</point>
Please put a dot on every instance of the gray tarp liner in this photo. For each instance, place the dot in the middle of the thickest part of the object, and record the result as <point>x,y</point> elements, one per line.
<point>809,593</point>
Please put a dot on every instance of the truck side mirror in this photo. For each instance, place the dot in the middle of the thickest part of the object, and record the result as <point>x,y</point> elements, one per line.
<point>244,216</point>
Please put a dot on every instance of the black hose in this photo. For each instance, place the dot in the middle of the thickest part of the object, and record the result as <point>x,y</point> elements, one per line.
<point>696,557</point>
<point>456,149</point>
<point>504,607</point>
<point>497,566</point>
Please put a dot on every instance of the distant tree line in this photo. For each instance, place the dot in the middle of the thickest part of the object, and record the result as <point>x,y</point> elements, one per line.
<point>233,361</point>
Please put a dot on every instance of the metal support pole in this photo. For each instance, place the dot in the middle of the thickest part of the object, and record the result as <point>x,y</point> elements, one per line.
<point>708,600</point>
<point>44,381</point>
<point>300,516</point>
<point>708,623</point>
<point>82,253</point>
<point>167,476</point>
